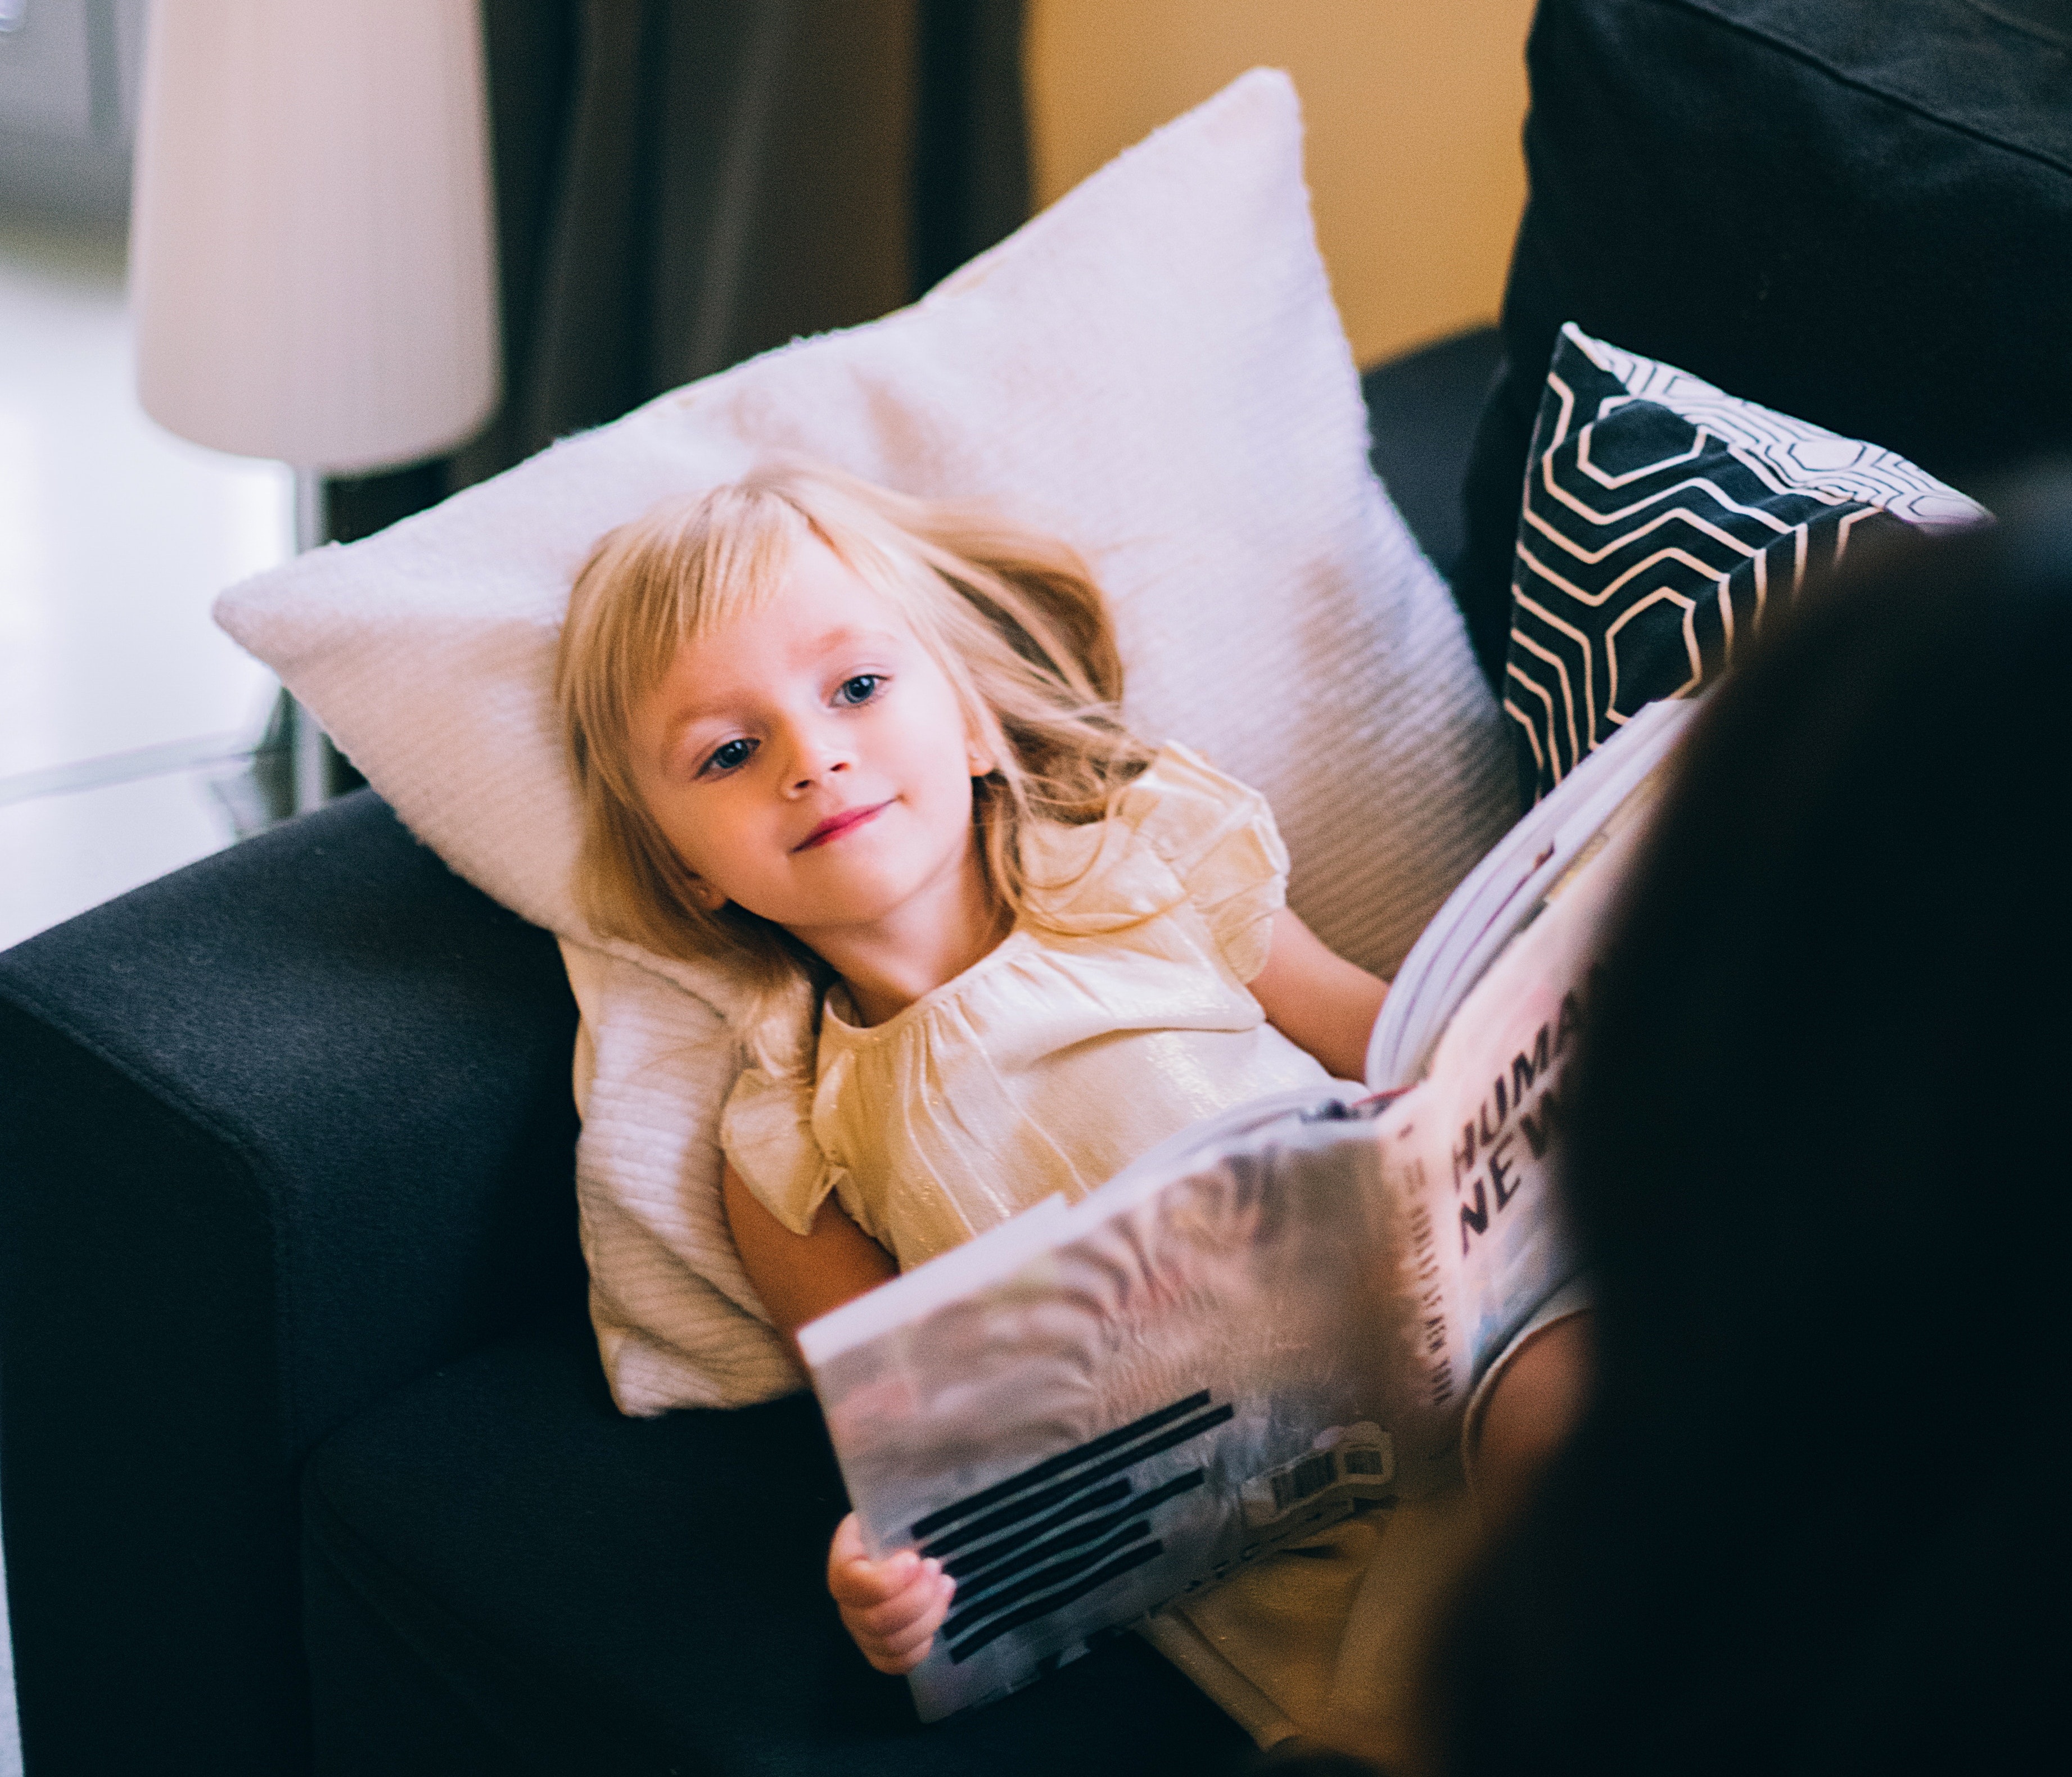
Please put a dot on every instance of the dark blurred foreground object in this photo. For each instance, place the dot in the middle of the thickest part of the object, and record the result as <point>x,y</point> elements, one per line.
<point>1858,214</point>
<point>1805,1524</point>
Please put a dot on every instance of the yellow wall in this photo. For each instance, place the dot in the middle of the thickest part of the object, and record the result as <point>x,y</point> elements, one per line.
<point>1413,110</point>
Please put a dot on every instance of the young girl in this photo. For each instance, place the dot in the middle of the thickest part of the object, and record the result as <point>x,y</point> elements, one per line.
<point>866,748</point>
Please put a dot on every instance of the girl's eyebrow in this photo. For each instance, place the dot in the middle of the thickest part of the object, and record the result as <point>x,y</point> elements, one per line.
<point>844,635</point>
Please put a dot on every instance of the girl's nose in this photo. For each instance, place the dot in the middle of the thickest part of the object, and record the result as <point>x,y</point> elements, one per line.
<point>816,754</point>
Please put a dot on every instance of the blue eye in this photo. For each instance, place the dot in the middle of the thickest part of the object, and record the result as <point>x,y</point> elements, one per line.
<point>729,755</point>
<point>859,690</point>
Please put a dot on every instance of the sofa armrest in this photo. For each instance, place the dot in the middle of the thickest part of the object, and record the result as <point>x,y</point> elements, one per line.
<point>277,1133</point>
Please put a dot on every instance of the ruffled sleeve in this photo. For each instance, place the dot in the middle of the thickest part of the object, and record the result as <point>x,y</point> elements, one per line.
<point>767,1131</point>
<point>1217,836</point>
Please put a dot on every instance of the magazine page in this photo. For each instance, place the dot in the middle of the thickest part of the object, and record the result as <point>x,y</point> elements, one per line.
<point>1503,892</point>
<point>1204,1370</point>
<point>1481,1136</point>
<point>996,1254</point>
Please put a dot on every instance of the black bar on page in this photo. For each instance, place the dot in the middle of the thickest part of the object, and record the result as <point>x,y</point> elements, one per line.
<point>976,1584</point>
<point>1056,1465</point>
<point>1050,1495</point>
<point>1043,1607</point>
<point>977,1560</point>
<point>1045,1577</point>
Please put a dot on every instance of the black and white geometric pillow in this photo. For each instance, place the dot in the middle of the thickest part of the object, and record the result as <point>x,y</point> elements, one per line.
<point>1662,520</point>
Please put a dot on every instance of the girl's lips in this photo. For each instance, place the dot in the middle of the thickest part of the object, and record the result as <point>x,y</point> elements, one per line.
<point>836,825</point>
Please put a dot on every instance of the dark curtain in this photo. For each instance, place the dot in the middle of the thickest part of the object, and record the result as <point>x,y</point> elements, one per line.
<point>683,183</point>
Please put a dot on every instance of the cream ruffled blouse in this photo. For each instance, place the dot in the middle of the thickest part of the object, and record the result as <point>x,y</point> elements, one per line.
<point>1115,1016</point>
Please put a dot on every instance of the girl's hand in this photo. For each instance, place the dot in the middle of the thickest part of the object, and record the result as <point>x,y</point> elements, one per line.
<point>891,1607</point>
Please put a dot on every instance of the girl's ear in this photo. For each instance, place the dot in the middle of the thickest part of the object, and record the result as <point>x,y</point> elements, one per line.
<point>708,897</point>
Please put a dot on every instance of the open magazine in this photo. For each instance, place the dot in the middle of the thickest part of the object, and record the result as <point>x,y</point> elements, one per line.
<point>1264,1323</point>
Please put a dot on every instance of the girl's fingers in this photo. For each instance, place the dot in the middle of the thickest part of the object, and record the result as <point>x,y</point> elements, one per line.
<point>892,1608</point>
<point>896,1635</point>
<point>846,1547</point>
<point>925,1598</point>
<point>859,1585</point>
<point>857,1581</point>
<point>901,1655</point>
<point>897,1653</point>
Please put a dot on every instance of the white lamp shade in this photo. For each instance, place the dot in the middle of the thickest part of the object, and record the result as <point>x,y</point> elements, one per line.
<point>311,266</point>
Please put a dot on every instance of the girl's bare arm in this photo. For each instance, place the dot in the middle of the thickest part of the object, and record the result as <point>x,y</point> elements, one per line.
<point>1534,1404</point>
<point>800,1277</point>
<point>893,1607</point>
<point>1317,1000</point>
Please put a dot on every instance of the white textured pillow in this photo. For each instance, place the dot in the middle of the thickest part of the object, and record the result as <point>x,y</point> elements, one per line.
<point>1153,369</point>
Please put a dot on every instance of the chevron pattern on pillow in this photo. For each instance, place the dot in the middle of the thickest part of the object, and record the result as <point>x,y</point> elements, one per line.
<point>1662,520</point>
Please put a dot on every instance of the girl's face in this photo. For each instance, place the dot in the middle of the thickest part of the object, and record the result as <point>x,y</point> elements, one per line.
<point>809,761</point>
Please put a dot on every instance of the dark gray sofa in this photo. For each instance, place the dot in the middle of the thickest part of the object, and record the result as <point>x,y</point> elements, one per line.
<point>307,1459</point>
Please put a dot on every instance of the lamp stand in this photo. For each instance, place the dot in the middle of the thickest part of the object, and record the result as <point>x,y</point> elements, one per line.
<point>309,746</point>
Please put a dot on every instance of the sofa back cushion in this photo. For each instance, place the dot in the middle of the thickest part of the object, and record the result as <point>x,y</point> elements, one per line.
<point>1858,214</point>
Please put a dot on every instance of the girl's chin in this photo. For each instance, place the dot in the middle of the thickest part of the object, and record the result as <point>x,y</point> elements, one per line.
<point>868,899</point>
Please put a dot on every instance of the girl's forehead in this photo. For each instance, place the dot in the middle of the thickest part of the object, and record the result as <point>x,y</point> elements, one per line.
<point>813,585</point>
<point>811,606</point>
<point>811,568</point>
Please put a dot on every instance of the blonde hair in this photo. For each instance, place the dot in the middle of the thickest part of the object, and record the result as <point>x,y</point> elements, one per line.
<point>1013,617</point>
